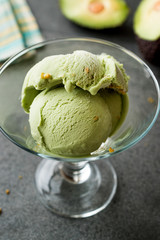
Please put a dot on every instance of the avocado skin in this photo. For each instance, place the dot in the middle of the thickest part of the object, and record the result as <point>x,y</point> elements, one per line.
<point>149,49</point>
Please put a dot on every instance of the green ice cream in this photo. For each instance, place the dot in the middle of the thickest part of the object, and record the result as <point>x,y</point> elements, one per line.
<point>76,123</point>
<point>79,69</point>
<point>70,124</point>
<point>72,103</point>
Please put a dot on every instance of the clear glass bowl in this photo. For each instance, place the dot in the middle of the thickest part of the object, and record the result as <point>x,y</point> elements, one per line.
<point>78,187</point>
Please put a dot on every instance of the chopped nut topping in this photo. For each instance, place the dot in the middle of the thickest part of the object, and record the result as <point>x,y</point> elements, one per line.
<point>7,191</point>
<point>96,7</point>
<point>150,100</point>
<point>45,75</point>
<point>96,118</point>
<point>111,150</point>
<point>117,88</point>
<point>42,75</point>
<point>121,92</point>
<point>86,70</point>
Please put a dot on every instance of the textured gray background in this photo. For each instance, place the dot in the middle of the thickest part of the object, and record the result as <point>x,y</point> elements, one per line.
<point>135,211</point>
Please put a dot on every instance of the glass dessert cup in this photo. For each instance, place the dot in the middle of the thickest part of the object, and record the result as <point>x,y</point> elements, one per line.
<point>83,186</point>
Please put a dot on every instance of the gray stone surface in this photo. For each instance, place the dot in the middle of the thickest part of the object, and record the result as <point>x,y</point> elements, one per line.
<point>135,211</point>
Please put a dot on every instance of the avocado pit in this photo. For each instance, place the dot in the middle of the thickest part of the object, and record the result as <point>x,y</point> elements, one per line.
<point>95,14</point>
<point>156,6</point>
<point>96,7</point>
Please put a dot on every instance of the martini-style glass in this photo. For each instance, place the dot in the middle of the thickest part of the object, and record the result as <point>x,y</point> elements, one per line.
<point>78,187</point>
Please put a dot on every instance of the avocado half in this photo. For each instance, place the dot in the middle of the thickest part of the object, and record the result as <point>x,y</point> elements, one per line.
<point>147,29</point>
<point>95,14</point>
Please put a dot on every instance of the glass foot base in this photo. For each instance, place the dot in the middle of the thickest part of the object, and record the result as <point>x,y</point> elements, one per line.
<point>76,197</point>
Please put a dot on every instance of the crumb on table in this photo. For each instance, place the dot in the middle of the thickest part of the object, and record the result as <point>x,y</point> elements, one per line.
<point>7,191</point>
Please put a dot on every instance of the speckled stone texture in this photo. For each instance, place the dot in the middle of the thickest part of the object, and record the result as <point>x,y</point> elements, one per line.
<point>134,213</point>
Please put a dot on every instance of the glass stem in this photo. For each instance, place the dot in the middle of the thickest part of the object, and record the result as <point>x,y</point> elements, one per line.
<point>75,172</point>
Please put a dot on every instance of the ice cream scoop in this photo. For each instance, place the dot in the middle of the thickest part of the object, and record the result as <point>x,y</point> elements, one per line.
<point>70,124</point>
<point>74,101</point>
<point>80,69</point>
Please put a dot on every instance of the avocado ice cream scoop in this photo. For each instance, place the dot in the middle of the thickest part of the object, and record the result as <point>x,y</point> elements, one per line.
<point>80,69</point>
<point>71,124</point>
<point>72,103</point>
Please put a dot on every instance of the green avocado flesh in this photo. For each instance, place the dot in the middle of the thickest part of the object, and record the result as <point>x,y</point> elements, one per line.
<point>96,14</point>
<point>147,20</point>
